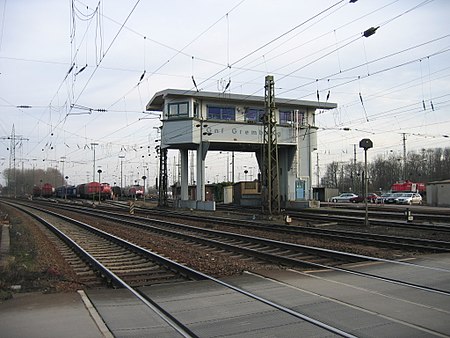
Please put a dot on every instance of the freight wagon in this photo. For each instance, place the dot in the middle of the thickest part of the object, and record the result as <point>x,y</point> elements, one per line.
<point>66,192</point>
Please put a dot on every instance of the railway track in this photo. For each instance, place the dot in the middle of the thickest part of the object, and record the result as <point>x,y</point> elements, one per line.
<point>345,213</point>
<point>117,260</point>
<point>134,265</point>
<point>289,254</point>
<point>262,250</point>
<point>367,238</point>
<point>278,307</point>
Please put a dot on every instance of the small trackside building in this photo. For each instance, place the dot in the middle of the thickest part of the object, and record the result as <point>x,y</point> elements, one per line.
<point>210,121</point>
<point>438,193</point>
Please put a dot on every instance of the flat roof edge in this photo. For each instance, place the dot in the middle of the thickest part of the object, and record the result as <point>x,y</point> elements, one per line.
<point>157,100</point>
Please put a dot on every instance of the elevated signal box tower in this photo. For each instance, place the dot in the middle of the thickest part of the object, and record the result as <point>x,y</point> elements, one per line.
<point>280,132</point>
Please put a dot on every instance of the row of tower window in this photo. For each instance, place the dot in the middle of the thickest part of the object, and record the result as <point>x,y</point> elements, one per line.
<point>221,113</point>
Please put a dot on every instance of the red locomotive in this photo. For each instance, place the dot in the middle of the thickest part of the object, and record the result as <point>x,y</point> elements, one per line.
<point>94,190</point>
<point>106,191</point>
<point>408,186</point>
<point>47,190</point>
<point>89,190</point>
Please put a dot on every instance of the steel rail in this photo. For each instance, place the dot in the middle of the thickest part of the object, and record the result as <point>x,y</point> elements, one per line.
<point>108,274</point>
<point>330,253</point>
<point>173,322</point>
<point>354,236</point>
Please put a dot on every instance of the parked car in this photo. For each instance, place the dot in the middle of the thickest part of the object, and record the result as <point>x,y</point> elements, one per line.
<point>371,198</point>
<point>410,198</point>
<point>381,199</point>
<point>344,197</point>
<point>392,198</point>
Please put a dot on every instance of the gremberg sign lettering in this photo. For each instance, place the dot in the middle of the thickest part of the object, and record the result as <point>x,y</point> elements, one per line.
<point>237,131</point>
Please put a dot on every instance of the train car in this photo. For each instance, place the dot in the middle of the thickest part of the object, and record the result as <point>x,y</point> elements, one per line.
<point>408,186</point>
<point>47,190</point>
<point>116,191</point>
<point>105,191</point>
<point>36,191</point>
<point>134,191</point>
<point>89,190</point>
<point>69,191</point>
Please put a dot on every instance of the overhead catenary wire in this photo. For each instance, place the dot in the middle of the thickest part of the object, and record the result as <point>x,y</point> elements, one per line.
<point>315,38</point>
<point>181,51</point>
<point>367,33</point>
<point>330,76</point>
<point>323,89</point>
<point>272,41</point>
<point>105,53</point>
<point>95,69</point>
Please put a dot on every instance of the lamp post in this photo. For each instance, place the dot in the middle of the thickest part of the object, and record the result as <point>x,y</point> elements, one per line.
<point>93,144</point>
<point>121,171</point>
<point>63,159</point>
<point>100,185</point>
<point>366,144</point>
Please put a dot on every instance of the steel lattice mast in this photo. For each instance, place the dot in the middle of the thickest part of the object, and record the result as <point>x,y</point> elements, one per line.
<point>14,141</point>
<point>162,189</point>
<point>270,179</point>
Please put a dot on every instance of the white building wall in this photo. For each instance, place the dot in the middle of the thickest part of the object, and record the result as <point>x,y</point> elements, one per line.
<point>438,194</point>
<point>297,141</point>
<point>184,131</point>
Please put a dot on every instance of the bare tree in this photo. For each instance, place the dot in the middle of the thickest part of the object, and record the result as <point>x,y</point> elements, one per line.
<point>424,166</point>
<point>21,182</point>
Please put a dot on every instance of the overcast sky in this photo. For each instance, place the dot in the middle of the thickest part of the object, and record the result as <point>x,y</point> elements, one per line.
<point>70,71</point>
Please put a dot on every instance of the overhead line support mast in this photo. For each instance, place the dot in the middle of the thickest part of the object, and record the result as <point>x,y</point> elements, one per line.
<point>270,179</point>
<point>163,177</point>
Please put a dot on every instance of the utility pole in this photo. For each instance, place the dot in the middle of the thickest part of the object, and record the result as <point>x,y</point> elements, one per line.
<point>14,139</point>
<point>93,144</point>
<point>354,169</point>
<point>271,186</point>
<point>404,156</point>
<point>232,166</point>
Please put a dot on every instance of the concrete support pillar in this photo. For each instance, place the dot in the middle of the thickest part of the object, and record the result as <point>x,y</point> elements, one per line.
<point>184,174</point>
<point>201,156</point>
